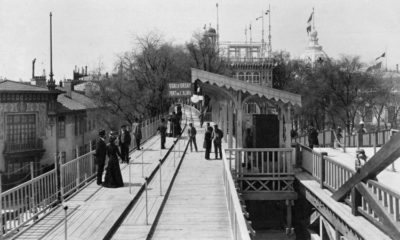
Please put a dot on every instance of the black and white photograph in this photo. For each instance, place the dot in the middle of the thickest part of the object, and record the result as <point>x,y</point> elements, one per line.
<point>199,119</point>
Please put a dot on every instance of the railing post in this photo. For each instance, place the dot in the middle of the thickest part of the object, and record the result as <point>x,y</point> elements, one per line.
<point>78,172</point>
<point>65,222</point>
<point>91,159</point>
<point>147,215</point>
<point>33,200</point>
<point>57,167</point>
<point>322,168</point>
<point>160,161</point>
<point>344,140</point>
<point>355,201</point>
<point>297,155</point>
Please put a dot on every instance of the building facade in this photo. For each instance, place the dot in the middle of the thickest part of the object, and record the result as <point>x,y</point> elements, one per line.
<point>27,128</point>
<point>38,124</point>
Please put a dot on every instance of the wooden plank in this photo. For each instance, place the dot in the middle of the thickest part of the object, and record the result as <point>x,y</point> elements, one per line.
<point>382,159</point>
<point>388,224</point>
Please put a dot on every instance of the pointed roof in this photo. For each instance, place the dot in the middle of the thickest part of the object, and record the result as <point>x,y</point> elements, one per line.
<point>237,85</point>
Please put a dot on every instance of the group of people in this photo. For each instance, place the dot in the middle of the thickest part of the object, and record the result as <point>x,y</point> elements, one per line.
<point>113,177</point>
<point>213,136</point>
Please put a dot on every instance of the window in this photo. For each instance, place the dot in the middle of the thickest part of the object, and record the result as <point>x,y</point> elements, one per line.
<point>61,127</point>
<point>256,78</point>
<point>241,76</point>
<point>248,77</point>
<point>63,157</point>
<point>21,129</point>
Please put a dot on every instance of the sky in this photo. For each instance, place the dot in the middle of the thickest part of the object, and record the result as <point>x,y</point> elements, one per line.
<point>87,32</point>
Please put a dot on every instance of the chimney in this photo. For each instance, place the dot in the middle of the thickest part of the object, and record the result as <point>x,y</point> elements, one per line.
<point>68,87</point>
<point>85,70</point>
<point>397,67</point>
<point>107,75</point>
<point>33,68</point>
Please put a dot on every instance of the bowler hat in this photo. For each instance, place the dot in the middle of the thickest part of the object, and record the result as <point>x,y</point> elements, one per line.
<point>102,132</point>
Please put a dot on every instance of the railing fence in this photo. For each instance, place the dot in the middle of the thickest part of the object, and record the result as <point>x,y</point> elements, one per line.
<point>26,202</point>
<point>332,175</point>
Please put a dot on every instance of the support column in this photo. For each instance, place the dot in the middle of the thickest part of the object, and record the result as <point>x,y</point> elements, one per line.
<point>289,228</point>
<point>239,129</point>
<point>230,125</point>
<point>224,120</point>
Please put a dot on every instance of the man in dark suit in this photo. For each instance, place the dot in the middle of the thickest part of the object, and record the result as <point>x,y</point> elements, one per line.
<point>124,143</point>
<point>217,138</point>
<point>100,155</point>
<point>162,129</point>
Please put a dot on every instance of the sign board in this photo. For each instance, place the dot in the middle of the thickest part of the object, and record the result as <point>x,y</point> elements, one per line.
<point>179,89</point>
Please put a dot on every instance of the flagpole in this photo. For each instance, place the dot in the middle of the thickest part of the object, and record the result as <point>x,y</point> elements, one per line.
<point>313,19</point>
<point>262,34</point>
<point>386,57</point>
<point>217,28</point>
<point>245,33</point>
<point>251,40</point>
<point>269,31</point>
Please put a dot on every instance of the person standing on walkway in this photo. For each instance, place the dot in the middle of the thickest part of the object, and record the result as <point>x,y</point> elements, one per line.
<point>312,137</point>
<point>162,129</point>
<point>124,143</point>
<point>217,138</point>
<point>361,131</point>
<point>137,132</point>
<point>208,142</point>
<point>100,155</point>
<point>192,137</point>
<point>113,178</point>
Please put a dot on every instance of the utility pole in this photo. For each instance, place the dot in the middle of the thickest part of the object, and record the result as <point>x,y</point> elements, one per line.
<point>51,84</point>
<point>217,29</point>
<point>269,31</point>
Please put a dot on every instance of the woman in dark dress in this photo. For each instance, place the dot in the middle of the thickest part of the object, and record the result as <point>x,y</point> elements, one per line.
<point>113,177</point>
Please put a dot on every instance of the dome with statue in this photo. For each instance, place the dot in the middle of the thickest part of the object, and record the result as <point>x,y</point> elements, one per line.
<point>314,52</point>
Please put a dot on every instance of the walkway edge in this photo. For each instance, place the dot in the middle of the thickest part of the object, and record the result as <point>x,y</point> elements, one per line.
<point>160,210</point>
<point>125,213</point>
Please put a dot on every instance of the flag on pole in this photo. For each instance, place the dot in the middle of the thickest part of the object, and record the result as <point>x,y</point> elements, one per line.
<point>266,12</point>
<point>216,4</point>
<point>309,23</point>
<point>250,27</point>
<point>381,56</point>
<point>310,18</point>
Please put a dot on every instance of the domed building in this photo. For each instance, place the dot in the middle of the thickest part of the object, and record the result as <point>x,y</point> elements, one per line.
<point>314,52</point>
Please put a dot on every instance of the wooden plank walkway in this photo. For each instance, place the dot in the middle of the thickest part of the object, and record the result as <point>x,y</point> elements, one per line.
<point>360,224</point>
<point>135,225</point>
<point>94,210</point>
<point>196,207</point>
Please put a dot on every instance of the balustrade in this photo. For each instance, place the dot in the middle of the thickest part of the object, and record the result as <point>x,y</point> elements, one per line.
<point>239,226</point>
<point>332,175</point>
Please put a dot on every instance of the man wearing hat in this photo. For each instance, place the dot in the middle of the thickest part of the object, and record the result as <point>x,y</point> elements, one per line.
<point>100,155</point>
<point>217,138</point>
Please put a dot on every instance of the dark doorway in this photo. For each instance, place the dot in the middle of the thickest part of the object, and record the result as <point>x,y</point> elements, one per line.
<point>266,131</point>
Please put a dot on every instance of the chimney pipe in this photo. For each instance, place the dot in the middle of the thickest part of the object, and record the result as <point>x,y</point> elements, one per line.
<point>33,68</point>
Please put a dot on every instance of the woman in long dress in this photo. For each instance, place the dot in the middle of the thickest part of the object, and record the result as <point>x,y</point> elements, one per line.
<point>113,177</point>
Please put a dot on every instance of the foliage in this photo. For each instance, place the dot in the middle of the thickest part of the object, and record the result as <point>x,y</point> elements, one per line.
<point>334,91</point>
<point>138,88</point>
